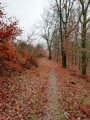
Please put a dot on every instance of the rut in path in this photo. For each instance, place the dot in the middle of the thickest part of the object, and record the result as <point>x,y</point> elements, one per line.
<point>52,97</point>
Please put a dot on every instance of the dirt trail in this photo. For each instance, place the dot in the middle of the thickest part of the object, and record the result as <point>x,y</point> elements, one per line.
<point>52,97</point>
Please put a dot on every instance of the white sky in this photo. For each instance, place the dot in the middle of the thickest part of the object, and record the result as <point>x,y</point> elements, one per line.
<point>26,11</point>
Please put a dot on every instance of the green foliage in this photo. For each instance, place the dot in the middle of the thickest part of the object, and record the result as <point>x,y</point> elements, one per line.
<point>62,117</point>
<point>81,101</point>
<point>33,115</point>
<point>15,44</point>
<point>12,88</point>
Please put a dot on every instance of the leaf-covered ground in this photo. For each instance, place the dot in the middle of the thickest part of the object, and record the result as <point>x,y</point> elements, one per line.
<point>24,96</point>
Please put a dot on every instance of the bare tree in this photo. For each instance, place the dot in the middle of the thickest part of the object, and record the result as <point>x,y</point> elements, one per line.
<point>48,30</point>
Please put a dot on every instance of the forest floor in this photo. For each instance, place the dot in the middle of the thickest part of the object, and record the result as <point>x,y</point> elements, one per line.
<point>48,92</point>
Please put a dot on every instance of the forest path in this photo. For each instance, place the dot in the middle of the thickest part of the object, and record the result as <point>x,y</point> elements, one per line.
<point>52,98</point>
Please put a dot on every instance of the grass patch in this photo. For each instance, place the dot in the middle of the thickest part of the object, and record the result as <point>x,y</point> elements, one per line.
<point>33,115</point>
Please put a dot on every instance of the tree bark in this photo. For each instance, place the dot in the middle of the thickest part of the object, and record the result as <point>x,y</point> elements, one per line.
<point>84,45</point>
<point>50,54</point>
<point>84,30</point>
<point>63,59</point>
<point>61,38</point>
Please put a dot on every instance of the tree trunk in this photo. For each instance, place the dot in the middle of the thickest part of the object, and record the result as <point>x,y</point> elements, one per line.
<point>50,54</point>
<point>57,57</point>
<point>72,53</point>
<point>58,52</point>
<point>79,61</point>
<point>63,59</point>
<point>84,44</point>
<point>61,38</point>
<point>76,38</point>
<point>75,59</point>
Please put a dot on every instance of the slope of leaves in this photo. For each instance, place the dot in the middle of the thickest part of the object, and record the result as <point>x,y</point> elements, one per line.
<point>22,95</point>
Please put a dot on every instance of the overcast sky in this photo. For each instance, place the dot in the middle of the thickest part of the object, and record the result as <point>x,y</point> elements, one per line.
<point>26,11</point>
